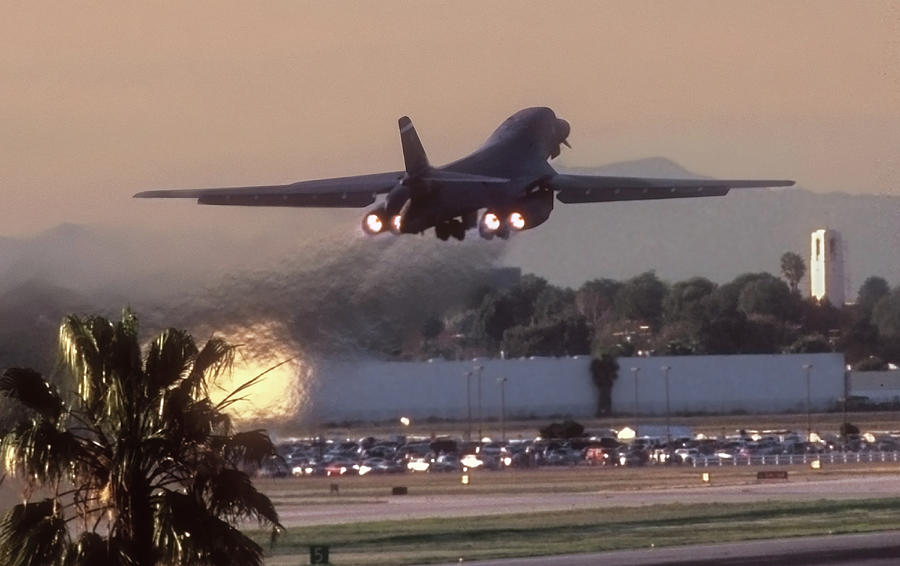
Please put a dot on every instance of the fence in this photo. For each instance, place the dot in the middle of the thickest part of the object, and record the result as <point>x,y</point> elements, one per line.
<point>799,459</point>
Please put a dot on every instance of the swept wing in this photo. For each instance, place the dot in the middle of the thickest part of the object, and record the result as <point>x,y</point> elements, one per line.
<point>594,188</point>
<point>350,192</point>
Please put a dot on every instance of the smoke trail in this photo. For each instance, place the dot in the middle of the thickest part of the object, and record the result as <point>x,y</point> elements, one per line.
<point>344,296</point>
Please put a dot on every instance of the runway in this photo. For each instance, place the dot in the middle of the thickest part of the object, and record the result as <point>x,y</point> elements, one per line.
<point>416,507</point>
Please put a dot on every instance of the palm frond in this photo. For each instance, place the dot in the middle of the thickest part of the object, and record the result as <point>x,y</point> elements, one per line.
<point>251,447</point>
<point>33,391</point>
<point>32,534</point>
<point>37,450</point>
<point>232,397</point>
<point>90,550</point>
<point>81,341</point>
<point>189,533</point>
<point>231,494</point>
<point>215,359</point>
<point>170,358</point>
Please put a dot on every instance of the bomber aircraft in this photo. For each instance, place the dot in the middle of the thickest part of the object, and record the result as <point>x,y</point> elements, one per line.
<point>506,185</point>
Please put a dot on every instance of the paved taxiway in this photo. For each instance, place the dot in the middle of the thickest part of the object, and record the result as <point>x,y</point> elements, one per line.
<point>874,549</point>
<point>415,507</point>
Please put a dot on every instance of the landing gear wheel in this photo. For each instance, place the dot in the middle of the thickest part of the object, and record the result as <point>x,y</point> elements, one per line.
<point>457,230</point>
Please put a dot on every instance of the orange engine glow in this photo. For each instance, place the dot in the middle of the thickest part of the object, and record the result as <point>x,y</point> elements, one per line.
<point>373,224</point>
<point>491,221</point>
<point>517,221</point>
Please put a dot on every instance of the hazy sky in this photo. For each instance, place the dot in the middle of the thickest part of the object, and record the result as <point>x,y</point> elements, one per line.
<point>100,100</point>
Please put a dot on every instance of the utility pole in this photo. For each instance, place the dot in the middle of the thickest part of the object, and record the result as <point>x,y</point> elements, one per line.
<point>468,375</point>
<point>479,368</point>
<point>635,372</point>
<point>665,370</point>
<point>502,382</point>
<point>806,369</point>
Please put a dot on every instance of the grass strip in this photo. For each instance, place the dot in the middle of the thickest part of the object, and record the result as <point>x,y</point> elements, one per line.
<point>517,535</point>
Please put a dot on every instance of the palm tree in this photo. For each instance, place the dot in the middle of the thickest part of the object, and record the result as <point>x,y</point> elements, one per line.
<point>604,372</point>
<point>138,466</point>
<point>793,269</point>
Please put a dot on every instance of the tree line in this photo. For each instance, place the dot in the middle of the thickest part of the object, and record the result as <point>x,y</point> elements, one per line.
<point>756,313</point>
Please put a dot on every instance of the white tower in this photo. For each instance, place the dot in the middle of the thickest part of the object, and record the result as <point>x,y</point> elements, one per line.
<point>826,266</point>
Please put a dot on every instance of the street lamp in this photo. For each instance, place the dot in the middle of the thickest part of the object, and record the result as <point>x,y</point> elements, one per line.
<point>806,369</point>
<point>502,381</point>
<point>665,370</point>
<point>469,405</point>
<point>479,369</point>
<point>635,372</point>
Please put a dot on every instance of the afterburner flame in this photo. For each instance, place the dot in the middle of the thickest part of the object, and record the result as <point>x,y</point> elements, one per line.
<point>374,223</point>
<point>517,221</point>
<point>491,221</point>
<point>263,352</point>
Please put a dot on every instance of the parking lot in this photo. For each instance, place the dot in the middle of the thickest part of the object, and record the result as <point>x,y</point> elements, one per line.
<point>401,454</point>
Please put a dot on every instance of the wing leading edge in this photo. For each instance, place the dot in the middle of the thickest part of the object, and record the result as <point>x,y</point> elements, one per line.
<point>350,192</point>
<point>592,188</point>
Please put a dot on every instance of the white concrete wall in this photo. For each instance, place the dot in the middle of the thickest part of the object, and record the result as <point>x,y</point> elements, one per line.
<point>545,387</point>
<point>382,391</point>
<point>878,386</point>
<point>723,384</point>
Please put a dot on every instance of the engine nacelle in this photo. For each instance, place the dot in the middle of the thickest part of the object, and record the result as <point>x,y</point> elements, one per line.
<point>531,211</point>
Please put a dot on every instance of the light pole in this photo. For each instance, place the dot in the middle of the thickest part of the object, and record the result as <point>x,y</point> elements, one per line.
<point>469,405</point>
<point>806,369</point>
<point>502,382</point>
<point>635,372</point>
<point>665,370</point>
<point>479,369</point>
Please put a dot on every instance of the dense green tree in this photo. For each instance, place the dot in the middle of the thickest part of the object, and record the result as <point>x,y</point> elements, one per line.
<point>138,455</point>
<point>568,336</point>
<point>886,318</point>
<point>793,269</point>
<point>859,341</point>
<point>641,299</point>
<point>507,308</point>
<point>819,317</point>
<point>723,334</point>
<point>870,292</point>
<point>766,296</point>
<point>596,300</point>
<point>554,303</point>
<point>723,301</point>
<point>686,300</point>
<point>432,327</point>
<point>810,344</point>
<point>871,363</point>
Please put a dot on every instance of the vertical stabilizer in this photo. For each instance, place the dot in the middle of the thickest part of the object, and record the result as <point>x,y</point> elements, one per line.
<point>413,153</point>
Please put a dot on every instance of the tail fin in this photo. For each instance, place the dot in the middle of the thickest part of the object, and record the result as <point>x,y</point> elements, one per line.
<point>413,153</point>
